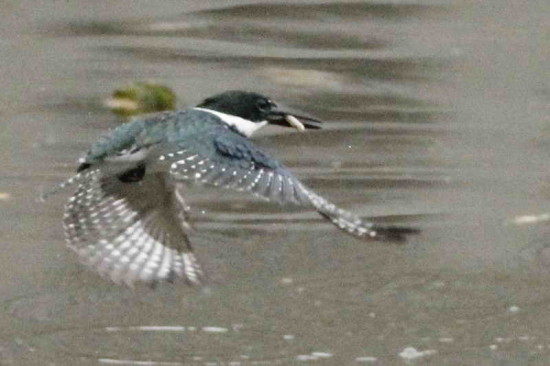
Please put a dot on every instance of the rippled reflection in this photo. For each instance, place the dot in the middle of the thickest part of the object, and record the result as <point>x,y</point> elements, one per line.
<point>436,117</point>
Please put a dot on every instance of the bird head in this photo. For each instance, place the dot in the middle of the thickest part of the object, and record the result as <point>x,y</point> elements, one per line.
<point>258,109</point>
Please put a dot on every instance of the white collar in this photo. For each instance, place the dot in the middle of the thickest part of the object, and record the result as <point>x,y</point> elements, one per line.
<point>244,126</point>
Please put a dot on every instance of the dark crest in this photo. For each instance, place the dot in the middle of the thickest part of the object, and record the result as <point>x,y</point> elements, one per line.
<point>248,105</point>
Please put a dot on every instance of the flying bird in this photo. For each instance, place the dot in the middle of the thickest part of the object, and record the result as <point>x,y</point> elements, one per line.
<point>129,220</point>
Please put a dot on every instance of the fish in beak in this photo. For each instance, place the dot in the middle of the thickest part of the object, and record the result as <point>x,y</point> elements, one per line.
<point>288,117</point>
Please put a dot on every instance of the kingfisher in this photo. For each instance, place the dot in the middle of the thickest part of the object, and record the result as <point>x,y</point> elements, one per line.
<point>129,219</point>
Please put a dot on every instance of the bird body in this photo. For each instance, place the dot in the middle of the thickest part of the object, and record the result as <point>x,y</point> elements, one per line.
<point>129,220</point>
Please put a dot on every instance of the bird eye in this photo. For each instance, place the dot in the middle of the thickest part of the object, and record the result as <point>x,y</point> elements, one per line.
<point>264,105</point>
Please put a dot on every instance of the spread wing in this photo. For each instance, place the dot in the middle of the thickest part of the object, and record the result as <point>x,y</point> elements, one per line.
<point>128,220</point>
<point>130,232</point>
<point>234,162</point>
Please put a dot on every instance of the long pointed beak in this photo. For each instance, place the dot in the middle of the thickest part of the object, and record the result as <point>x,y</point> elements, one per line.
<point>290,118</point>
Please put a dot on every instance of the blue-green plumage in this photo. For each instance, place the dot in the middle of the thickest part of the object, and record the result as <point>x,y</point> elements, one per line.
<point>191,129</point>
<point>129,220</point>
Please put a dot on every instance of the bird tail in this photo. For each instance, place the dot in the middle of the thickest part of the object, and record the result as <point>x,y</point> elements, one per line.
<point>353,225</point>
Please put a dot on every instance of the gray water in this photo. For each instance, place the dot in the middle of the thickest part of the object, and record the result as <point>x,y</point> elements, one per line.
<point>436,117</point>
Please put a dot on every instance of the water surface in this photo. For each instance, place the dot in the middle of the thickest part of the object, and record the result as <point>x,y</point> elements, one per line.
<point>437,117</point>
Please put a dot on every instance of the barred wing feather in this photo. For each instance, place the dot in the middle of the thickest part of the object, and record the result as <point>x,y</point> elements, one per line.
<point>130,232</point>
<point>238,169</point>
